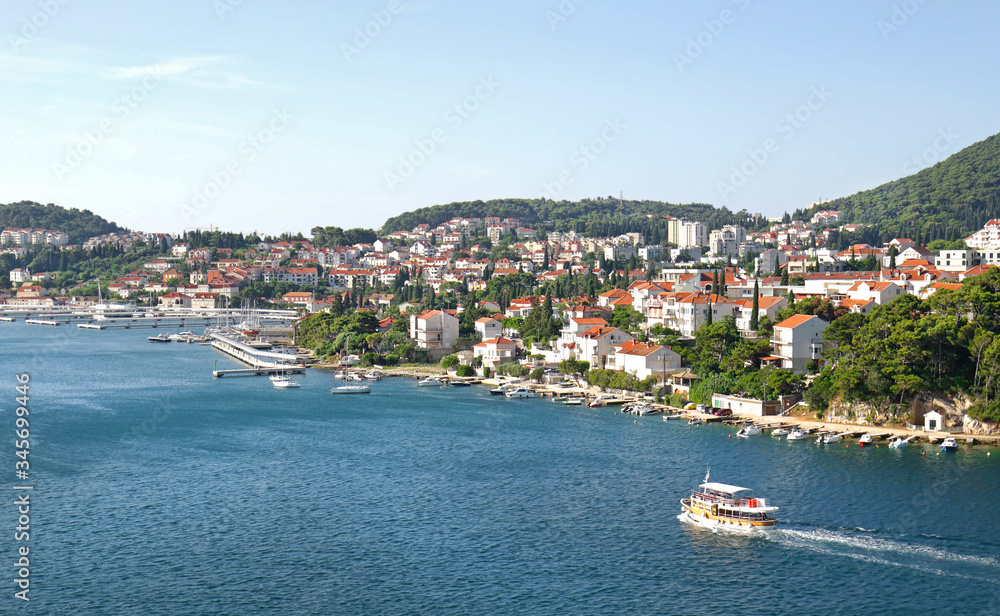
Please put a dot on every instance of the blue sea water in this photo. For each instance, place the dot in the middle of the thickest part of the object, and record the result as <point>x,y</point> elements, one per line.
<point>160,491</point>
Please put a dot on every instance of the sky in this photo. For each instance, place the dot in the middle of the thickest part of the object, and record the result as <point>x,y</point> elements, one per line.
<point>255,115</point>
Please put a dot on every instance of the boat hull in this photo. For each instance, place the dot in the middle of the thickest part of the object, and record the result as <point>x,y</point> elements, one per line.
<point>704,516</point>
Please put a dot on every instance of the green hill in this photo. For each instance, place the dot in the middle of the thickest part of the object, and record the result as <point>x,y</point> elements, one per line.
<point>948,201</point>
<point>603,216</point>
<point>78,224</point>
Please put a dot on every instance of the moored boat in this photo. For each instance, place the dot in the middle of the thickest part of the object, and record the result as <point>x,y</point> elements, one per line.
<point>519,392</point>
<point>799,434</point>
<point>780,432</point>
<point>949,444</point>
<point>898,442</point>
<point>351,389</point>
<point>574,401</point>
<point>749,430</point>
<point>866,439</point>
<point>719,505</point>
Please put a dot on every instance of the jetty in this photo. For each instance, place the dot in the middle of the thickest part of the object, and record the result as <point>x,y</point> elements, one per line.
<point>261,362</point>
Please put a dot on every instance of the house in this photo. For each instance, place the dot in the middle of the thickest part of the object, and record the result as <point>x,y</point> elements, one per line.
<point>488,327</point>
<point>644,360</point>
<point>766,307</point>
<point>301,298</point>
<point>879,292</point>
<point>495,351</point>
<point>19,275</point>
<point>797,341</point>
<point>434,329</point>
<point>933,421</point>
<point>597,345</point>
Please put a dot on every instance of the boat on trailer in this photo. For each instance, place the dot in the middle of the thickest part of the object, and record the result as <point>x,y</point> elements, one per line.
<point>720,505</point>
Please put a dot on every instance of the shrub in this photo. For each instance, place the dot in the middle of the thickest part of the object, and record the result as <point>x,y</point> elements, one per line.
<point>537,374</point>
<point>487,373</point>
<point>449,360</point>
<point>465,371</point>
<point>512,368</point>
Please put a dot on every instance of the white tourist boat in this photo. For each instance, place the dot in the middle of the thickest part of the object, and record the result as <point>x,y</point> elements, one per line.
<point>519,392</point>
<point>949,444</point>
<point>719,505</point>
<point>749,430</point>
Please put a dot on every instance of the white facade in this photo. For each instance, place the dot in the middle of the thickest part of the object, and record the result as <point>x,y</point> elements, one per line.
<point>798,340</point>
<point>434,329</point>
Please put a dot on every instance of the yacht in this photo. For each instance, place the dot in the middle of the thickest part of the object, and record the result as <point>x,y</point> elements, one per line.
<point>798,434</point>
<point>351,389</point>
<point>749,430</point>
<point>719,505</point>
<point>283,382</point>
<point>949,444</point>
<point>519,392</point>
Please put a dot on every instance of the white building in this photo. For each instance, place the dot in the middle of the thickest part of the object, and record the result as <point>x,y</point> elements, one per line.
<point>434,329</point>
<point>797,341</point>
<point>645,360</point>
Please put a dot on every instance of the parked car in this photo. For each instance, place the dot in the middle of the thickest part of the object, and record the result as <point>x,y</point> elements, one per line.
<point>690,406</point>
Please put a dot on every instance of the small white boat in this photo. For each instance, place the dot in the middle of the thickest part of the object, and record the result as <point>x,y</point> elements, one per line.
<point>573,401</point>
<point>866,439</point>
<point>695,422</point>
<point>949,444</point>
<point>431,380</point>
<point>898,442</point>
<point>798,434</point>
<point>160,338</point>
<point>646,410</point>
<point>671,417</point>
<point>826,439</point>
<point>373,376</point>
<point>284,383</point>
<point>519,392</point>
<point>350,389</point>
<point>780,432</point>
<point>749,430</point>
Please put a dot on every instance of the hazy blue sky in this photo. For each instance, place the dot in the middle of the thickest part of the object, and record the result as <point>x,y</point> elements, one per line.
<point>268,116</point>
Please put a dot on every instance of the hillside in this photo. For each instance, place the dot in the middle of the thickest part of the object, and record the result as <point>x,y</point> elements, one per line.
<point>602,216</point>
<point>78,224</point>
<point>948,201</point>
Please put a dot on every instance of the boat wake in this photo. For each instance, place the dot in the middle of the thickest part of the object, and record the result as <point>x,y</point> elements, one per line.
<point>885,551</point>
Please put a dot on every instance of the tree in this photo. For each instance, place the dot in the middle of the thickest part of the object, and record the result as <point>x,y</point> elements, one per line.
<point>755,311</point>
<point>449,360</point>
<point>784,276</point>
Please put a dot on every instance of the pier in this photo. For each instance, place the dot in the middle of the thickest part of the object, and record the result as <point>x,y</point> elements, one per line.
<point>262,362</point>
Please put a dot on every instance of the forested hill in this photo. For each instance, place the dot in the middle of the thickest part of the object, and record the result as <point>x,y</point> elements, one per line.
<point>602,216</point>
<point>78,224</point>
<point>948,201</point>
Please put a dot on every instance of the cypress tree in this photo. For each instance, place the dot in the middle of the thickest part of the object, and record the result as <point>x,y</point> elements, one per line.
<point>755,312</point>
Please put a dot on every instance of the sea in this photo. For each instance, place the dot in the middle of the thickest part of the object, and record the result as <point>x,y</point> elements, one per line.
<point>158,490</point>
